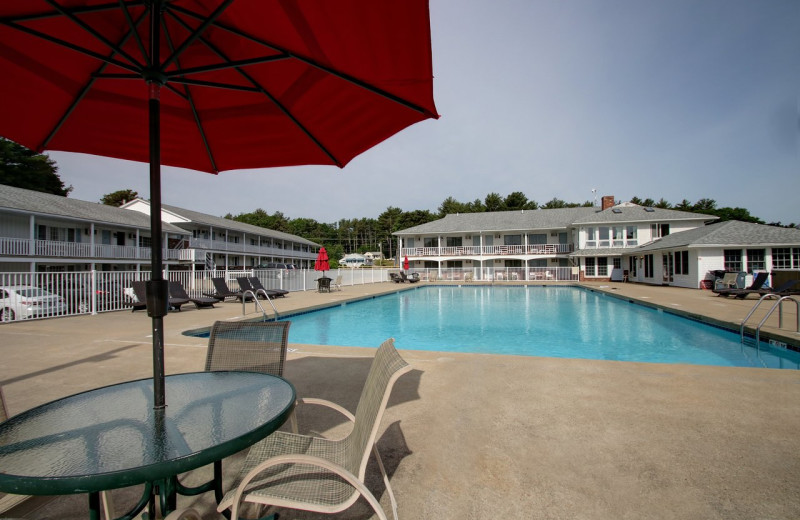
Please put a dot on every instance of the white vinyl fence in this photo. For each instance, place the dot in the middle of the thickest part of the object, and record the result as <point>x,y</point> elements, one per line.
<point>92,292</point>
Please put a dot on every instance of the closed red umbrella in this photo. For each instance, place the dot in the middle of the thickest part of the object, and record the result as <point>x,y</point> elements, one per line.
<point>322,261</point>
<point>244,84</point>
<point>405,263</point>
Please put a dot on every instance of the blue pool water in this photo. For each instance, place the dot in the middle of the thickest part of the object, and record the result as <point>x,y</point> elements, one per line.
<point>565,322</point>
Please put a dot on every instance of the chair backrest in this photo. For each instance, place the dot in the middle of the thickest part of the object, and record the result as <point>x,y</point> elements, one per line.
<point>255,283</point>
<point>244,284</point>
<point>759,280</point>
<point>221,286</point>
<point>176,290</point>
<point>140,291</point>
<point>248,346</point>
<point>387,367</point>
<point>338,280</point>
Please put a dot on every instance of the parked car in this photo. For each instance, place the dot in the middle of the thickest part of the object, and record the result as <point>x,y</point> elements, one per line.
<point>19,302</point>
<point>78,295</point>
<point>277,269</point>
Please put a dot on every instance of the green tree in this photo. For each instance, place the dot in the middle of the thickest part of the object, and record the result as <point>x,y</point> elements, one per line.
<point>24,168</point>
<point>555,203</point>
<point>684,205</point>
<point>388,223</point>
<point>705,206</point>
<point>494,202</point>
<point>119,197</point>
<point>637,200</point>
<point>663,204</point>
<point>516,200</point>
<point>451,206</point>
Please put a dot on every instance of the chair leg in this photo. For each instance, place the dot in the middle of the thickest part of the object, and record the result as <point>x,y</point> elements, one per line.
<point>386,481</point>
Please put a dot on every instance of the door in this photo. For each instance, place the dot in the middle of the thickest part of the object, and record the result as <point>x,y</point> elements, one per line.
<point>668,264</point>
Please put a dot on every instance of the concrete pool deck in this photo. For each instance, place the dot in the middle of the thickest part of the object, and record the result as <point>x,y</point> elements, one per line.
<point>485,436</point>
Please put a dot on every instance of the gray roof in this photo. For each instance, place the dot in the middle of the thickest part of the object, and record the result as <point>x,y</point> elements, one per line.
<point>628,212</point>
<point>527,220</point>
<point>45,204</point>
<point>220,222</point>
<point>604,251</point>
<point>728,233</point>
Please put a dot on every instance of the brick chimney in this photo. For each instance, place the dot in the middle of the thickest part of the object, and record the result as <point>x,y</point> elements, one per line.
<point>606,202</point>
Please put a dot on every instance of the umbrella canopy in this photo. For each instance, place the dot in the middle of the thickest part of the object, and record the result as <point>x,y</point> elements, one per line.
<point>245,84</point>
<point>405,263</point>
<point>322,261</point>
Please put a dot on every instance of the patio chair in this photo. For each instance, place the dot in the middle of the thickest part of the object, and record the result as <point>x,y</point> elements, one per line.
<point>316,474</point>
<point>337,283</point>
<point>256,284</point>
<point>414,278</point>
<point>176,290</point>
<point>141,295</point>
<point>789,287</point>
<point>754,288</point>
<point>252,346</point>
<point>730,280</point>
<point>394,277</point>
<point>222,291</point>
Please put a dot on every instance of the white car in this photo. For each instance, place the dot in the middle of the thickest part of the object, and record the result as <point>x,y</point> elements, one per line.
<point>18,302</point>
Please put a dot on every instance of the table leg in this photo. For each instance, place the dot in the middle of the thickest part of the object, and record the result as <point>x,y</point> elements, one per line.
<point>94,506</point>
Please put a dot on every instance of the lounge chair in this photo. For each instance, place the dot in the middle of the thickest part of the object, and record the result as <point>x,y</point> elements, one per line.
<point>317,474</point>
<point>176,290</point>
<point>222,291</point>
<point>758,281</point>
<point>272,293</point>
<point>789,287</point>
<point>414,278</point>
<point>141,294</point>
<point>252,346</point>
<point>394,277</point>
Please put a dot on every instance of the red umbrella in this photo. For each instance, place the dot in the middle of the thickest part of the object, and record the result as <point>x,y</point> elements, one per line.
<point>405,264</point>
<point>245,84</point>
<point>322,261</point>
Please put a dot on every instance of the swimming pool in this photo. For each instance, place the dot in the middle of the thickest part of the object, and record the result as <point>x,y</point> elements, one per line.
<point>568,322</point>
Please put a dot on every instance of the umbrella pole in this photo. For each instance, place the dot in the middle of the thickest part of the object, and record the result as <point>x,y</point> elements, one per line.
<point>157,288</point>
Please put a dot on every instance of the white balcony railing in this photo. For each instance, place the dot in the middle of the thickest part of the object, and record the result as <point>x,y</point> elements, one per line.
<point>521,250</point>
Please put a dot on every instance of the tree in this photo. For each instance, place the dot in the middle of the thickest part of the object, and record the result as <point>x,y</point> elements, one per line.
<point>663,204</point>
<point>119,197</point>
<point>516,200</point>
<point>554,203</point>
<point>451,206</point>
<point>24,168</point>
<point>705,206</point>
<point>494,202</point>
<point>388,223</point>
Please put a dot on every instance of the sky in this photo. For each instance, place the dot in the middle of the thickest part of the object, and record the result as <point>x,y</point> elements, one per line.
<point>680,99</point>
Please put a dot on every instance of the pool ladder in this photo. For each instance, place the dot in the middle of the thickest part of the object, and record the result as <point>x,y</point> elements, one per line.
<point>777,305</point>
<point>258,303</point>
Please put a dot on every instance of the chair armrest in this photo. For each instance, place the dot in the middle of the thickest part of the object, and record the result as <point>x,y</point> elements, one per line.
<point>320,402</point>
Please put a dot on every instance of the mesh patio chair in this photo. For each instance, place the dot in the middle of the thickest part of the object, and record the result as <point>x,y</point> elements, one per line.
<point>8,501</point>
<point>252,346</point>
<point>317,474</point>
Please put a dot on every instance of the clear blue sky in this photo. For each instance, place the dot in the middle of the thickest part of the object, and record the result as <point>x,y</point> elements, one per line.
<point>650,98</point>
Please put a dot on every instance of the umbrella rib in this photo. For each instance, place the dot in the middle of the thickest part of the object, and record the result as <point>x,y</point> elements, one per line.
<point>74,10</point>
<point>196,33</point>
<point>124,8</point>
<point>214,84</point>
<point>264,91</point>
<point>226,65</point>
<point>72,46</point>
<point>85,89</point>
<point>94,33</point>
<point>190,100</point>
<point>308,61</point>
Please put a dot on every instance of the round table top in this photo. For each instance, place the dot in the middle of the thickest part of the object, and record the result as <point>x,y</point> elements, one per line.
<point>112,437</point>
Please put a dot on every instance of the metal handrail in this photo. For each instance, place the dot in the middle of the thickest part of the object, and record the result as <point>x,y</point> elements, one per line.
<point>258,303</point>
<point>779,305</point>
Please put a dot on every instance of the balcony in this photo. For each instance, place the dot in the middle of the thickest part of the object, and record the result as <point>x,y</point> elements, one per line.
<point>472,251</point>
<point>26,248</point>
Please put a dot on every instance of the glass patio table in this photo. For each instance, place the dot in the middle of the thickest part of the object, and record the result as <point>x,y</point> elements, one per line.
<point>112,437</point>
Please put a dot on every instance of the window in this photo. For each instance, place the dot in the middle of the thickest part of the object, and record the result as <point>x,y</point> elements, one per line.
<point>430,242</point>
<point>453,241</point>
<point>632,266</point>
<point>733,259</point>
<point>616,236</point>
<point>590,271</point>
<point>604,236</point>
<point>602,266</point>
<point>756,260</point>
<point>591,237</point>
<point>409,242</point>
<point>630,236</point>
<point>617,262</point>
<point>785,258</point>
<point>648,266</point>
<point>659,230</point>
<point>512,240</point>
<point>476,240</point>
<point>537,238</point>
<point>682,262</point>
